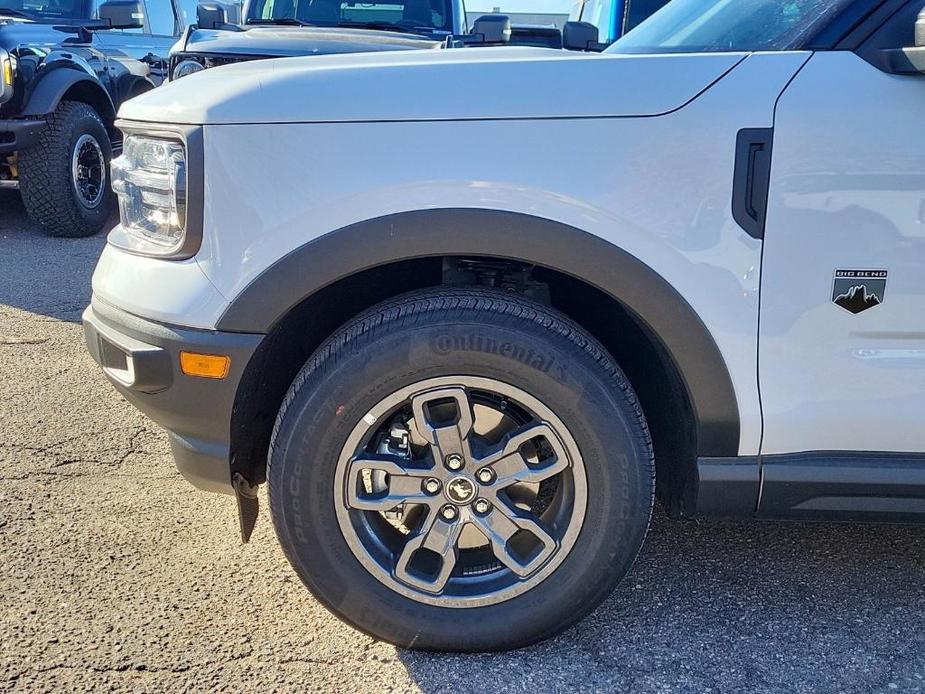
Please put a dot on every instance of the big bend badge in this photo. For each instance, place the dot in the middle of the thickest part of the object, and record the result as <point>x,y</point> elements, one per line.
<point>859,290</point>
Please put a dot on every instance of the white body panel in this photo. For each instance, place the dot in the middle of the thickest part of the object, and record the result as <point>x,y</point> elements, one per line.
<point>658,188</point>
<point>169,292</point>
<point>649,170</point>
<point>847,192</point>
<point>511,82</point>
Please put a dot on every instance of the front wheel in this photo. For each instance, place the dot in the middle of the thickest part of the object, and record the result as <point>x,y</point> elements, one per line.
<point>461,470</point>
<point>64,178</point>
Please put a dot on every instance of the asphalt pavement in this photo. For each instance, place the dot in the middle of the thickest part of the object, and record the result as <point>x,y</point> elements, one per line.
<point>115,574</point>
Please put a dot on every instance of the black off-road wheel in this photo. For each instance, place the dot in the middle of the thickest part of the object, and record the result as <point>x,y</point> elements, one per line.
<point>461,470</point>
<point>64,178</point>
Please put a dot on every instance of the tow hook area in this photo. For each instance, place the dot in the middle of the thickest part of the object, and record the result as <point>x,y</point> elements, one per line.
<point>9,171</point>
<point>248,505</point>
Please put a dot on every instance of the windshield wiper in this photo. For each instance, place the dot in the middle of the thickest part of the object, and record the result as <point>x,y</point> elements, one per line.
<point>387,26</point>
<point>281,21</point>
<point>6,12</point>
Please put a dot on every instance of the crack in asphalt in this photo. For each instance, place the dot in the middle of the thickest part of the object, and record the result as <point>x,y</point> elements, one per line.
<point>117,575</point>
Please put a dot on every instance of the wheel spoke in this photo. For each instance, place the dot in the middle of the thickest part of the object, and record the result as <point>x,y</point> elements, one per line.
<point>446,437</point>
<point>473,452</point>
<point>510,465</point>
<point>501,524</point>
<point>439,537</point>
<point>403,483</point>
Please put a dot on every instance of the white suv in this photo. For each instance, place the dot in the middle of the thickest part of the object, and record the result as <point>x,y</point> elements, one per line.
<point>464,377</point>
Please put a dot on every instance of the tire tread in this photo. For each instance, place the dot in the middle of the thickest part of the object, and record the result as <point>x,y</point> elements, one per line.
<point>45,185</point>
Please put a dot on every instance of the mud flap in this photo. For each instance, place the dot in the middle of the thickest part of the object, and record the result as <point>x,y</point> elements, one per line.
<point>248,505</point>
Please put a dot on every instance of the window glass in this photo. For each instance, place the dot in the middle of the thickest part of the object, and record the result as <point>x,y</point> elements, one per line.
<point>160,17</point>
<point>697,26</point>
<point>95,14</point>
<point>45,9</point>
<point>597,12</point>
<point>410,14</point>
<point>187,10</point>
<point>640,10</point>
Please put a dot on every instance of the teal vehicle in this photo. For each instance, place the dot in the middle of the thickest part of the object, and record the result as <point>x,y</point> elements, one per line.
<point>613,18</point>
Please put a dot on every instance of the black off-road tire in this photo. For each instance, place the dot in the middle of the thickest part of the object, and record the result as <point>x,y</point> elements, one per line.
<point>45,178</point>
<point>430,335</point>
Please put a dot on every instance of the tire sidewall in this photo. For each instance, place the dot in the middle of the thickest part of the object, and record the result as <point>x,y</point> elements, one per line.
<point>334,398</point>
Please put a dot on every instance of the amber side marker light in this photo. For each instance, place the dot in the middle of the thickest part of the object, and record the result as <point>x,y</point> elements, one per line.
<point>204,365</point>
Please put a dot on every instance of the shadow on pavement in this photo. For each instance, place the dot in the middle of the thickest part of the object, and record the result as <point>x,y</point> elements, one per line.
<point>725,607</point>
<point>39,274</point>
<point>712,607</point>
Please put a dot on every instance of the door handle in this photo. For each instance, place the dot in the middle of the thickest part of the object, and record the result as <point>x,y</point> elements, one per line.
<point>752,179</point>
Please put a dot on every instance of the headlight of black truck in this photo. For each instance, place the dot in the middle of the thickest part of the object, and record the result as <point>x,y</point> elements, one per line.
<point>185,67</point>
<point>7,72</point>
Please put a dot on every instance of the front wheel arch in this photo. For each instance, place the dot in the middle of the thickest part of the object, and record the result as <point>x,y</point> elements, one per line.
<point>73,84</point>
<point>346,271</point>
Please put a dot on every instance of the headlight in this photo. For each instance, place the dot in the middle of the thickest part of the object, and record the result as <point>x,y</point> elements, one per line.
<point>150,181</point>
<point>187,67</point>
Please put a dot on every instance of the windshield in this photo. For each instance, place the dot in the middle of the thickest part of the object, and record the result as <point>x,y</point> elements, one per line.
<point>703,26</point>
<point>44,9</point>
<point>408,15</point>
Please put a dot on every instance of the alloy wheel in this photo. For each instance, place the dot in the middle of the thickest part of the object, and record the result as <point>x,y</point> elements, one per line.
<point>460,491</point>
<point>88,171</point>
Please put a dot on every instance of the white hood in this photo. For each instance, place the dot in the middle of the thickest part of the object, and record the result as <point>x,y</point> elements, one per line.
<point>462,83</point>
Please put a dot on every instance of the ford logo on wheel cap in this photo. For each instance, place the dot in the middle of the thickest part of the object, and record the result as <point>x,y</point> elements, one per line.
<point>460,490</point>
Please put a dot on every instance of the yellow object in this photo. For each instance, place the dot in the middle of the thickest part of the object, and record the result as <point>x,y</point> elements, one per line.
<point>8,72</point>
<point>204,365</point>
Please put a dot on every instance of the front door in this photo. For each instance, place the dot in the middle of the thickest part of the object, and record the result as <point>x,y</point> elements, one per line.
<point>842,308</point>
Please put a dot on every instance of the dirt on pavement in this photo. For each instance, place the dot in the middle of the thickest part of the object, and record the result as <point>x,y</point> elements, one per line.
<point>116,574</point>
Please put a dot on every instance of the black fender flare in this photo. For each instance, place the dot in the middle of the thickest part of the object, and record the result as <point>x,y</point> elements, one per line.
<point>57,81</point>
<point>478,232</point>
<point>132,85</point>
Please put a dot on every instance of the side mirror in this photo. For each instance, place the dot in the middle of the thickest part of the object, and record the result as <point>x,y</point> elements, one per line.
<point>492,28</point>
<point>920,30</point>
<point>233,12</point>
<point>903,61</point>
<point>581,36</point>
<point>216,15</point>
<point>122,14</point>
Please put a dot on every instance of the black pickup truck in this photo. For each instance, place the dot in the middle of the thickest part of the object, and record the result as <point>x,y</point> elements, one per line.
<point>65,68</point>
<point>229,32</point>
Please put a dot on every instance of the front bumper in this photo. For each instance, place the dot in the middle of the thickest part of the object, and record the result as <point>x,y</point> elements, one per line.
<point>142,360</point>
<point>16,135</point>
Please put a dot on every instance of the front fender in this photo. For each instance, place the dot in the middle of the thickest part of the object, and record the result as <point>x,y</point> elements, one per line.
<point>56,78</point>
<point>514,236</point>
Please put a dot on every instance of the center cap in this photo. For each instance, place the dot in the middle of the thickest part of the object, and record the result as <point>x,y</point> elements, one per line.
<point>460,490</point>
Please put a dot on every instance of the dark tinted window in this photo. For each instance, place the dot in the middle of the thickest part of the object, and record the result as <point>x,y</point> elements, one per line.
<point>640,10</point>
<point>47,9</point>
<point>698,26</point>
<point>429,14</point>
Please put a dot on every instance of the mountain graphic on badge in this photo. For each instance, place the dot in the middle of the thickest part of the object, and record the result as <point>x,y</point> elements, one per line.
<point>857,299</point>
<point>859,290</point>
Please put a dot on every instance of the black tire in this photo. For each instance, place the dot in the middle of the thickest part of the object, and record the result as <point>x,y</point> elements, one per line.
<point>46,180</point>
<point>419,336</point>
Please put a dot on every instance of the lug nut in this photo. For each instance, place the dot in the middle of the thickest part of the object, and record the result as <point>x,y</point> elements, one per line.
<point>431,486</point>
<point>454,462</point>
<point>448,512</point>
<point>482,506</point>
<point>486,476</point>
